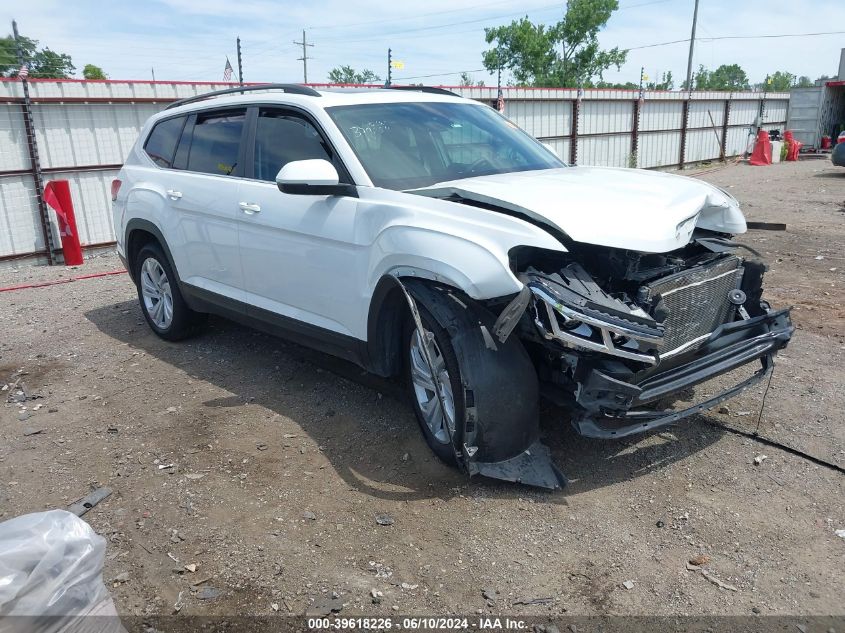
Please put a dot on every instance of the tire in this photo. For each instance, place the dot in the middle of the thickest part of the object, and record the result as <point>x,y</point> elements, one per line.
<point>161,301</point>
<point>420,387</point>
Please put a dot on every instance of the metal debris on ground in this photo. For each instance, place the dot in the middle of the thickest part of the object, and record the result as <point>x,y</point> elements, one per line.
<point>711,578</point>
<point>628,584</point>
<point>322,607</point>
<point>86,503</point>
<point>208,593</point>
<point>534,601</point>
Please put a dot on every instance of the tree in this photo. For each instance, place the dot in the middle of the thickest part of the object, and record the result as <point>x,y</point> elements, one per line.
<point>779,81</point>
<point>93,72</point>
<point>725,77</point>
<point>564,54</point>
<point>804,82</point>
<point>666,82</point>
<point>43,63</point>
<point>467,80</point>
<point>9,65</point>
<point>628,85</point>
<point>348,75</point>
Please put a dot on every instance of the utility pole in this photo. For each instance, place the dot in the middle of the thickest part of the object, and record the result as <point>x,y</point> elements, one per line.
<point>304,59</point>
<point>691,46</point>
<point>153,70</point>
<point>389,67</point>
<point>32,145</point>
<point>240,64</point>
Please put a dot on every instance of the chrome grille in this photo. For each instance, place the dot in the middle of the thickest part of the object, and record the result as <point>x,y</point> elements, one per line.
<point>697,300</point>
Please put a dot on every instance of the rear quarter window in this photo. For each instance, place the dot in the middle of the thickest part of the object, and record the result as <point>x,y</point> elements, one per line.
<point>161,144</point>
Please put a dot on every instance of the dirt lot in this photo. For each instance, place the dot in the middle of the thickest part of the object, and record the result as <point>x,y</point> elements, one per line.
<point>282,460</point>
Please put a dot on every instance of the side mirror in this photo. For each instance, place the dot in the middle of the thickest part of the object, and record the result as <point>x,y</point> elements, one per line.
<point>313,177</point>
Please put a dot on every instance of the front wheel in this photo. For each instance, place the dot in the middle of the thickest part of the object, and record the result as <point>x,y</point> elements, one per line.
<point>438,426</point>
<point>162,303</point>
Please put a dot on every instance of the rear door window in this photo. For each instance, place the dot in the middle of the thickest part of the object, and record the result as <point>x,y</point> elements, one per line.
<point>216,143</point>
<point>161,144</point>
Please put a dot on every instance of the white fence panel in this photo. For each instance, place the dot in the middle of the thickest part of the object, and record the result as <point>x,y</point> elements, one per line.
<point>542,119</point>
<point>560,147</point>
<point>701,111</point>
<point>661,115</point>
<point>744,112</point>
<point>606,151</point>
<point>13,150</point>
<point>738,141</point>
<point>20,226</point>
<point>702,145</point>
<point>600,117</point>
<point>658,149</point>
<point>91,195</point>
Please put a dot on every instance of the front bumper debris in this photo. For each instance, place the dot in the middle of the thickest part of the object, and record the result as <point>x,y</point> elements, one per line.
<point>612,408</point>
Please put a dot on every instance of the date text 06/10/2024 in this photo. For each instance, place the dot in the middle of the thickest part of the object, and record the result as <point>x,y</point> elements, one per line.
<point>490,623</point>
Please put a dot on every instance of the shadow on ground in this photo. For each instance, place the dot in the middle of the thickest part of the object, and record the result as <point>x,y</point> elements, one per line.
<point>341,408</point>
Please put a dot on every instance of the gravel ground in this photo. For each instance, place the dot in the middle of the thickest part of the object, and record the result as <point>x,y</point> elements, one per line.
<point>266,466</point>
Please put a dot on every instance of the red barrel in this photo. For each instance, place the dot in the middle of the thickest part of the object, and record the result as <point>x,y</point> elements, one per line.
<point>57,195</point>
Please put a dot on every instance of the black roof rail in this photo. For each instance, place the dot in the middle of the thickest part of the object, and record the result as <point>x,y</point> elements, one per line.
<point>296,89</point>
<point>431,89</point>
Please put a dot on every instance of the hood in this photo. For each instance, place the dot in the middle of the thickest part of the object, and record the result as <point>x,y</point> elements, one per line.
<point>636,209</point>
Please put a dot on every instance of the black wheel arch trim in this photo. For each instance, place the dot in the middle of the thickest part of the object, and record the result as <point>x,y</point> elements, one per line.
<point>138,224</point>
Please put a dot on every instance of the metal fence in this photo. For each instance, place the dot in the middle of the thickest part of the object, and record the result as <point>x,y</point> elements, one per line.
<point>82,130</point>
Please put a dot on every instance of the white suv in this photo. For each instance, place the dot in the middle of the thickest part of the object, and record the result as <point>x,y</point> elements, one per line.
<point>420,234</point>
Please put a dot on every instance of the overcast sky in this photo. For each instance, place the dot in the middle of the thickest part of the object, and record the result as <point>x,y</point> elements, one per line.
<point>437,39</point>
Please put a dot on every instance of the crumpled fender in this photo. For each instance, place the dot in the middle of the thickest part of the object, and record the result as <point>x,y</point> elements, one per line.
<point>500,434</point>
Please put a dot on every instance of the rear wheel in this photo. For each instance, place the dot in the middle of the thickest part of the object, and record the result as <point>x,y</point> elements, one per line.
<point>437,425</point>
<point>162,303</point>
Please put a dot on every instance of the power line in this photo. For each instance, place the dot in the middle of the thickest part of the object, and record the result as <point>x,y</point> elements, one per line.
<point>734,37</point>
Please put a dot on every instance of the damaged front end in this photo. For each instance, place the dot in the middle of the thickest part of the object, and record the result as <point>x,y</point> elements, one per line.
<point>617,334</point>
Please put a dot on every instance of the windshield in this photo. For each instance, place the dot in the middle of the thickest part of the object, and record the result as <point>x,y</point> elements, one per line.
<point>410,145</point>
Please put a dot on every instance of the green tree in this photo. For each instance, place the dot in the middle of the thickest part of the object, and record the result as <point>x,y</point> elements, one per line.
<point>804,82</point>
<point>9,65</point>
<point>564,54</point>
<point>348,75</point>
<point>468,81</point>
<point>43,63</point>
<point>725,77</point>
<point>666,82</point>
<point>93,72</point>
<point>628,85</point>
<point>779,81</point>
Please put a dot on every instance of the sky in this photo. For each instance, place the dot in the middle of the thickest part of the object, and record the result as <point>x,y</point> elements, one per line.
<point>189,40</point>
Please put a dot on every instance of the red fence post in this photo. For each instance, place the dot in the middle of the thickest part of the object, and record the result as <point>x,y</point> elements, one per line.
<point>57,195</point>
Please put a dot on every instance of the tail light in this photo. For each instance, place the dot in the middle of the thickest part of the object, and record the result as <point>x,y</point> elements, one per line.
<point>115,188</point>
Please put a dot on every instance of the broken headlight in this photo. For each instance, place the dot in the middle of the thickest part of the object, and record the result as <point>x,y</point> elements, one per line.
<point>569,307</point>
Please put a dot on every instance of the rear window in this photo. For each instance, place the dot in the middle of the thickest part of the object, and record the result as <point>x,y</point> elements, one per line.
<point>215,143</point>
<point>161,145</point>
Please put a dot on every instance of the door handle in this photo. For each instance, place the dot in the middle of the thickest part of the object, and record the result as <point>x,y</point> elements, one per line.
<point>173,194</point>
<point>249,208</point>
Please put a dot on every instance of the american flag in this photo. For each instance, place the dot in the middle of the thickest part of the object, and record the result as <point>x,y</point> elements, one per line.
<point>227,71</point>
<point>500,102</point>
<point>23,73</point>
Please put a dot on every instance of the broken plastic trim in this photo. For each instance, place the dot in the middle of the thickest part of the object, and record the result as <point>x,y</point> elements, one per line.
<point>425,338</point>
<point>532,467</point>
<point>544,300</point>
